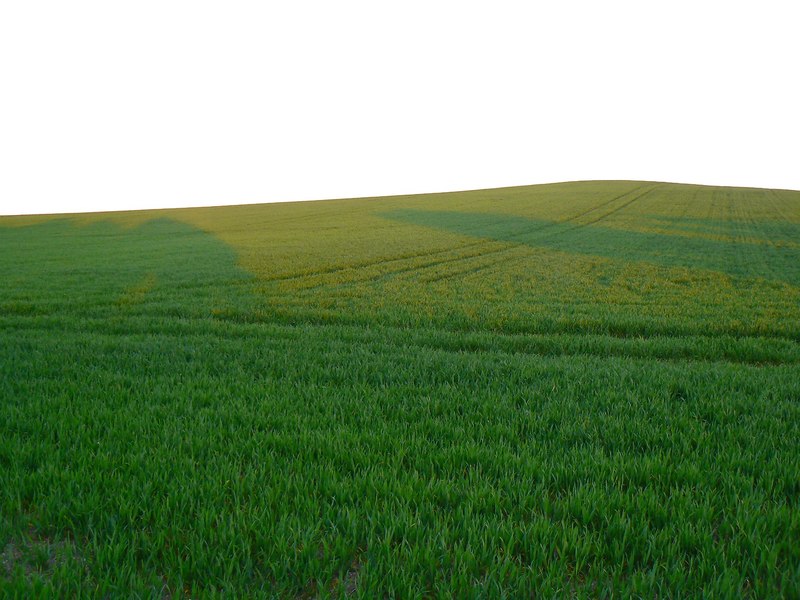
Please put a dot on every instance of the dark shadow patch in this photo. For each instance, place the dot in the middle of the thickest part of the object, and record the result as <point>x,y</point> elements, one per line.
<point>765,261</point>
<point>768,231</point>
<point>162,267</point>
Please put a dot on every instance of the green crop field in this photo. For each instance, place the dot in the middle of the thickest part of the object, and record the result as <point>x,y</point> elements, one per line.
<point>575,390</point>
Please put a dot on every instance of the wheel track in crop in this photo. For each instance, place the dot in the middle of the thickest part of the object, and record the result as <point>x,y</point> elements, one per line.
<point>548,227</point>
<point>367,264</point>
<point>371,279</point>
<point>467,272</point>
<point>481,242</point>
<point>606,203</point>
<point>394,272</point>
<point>539,232</point>
<point>437,278</point>
<point>615,210</point>
<point>642,190</point>
<point>543,228</point>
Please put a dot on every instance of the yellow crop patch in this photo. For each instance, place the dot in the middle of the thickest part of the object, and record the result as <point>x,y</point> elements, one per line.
<point>136,293</point>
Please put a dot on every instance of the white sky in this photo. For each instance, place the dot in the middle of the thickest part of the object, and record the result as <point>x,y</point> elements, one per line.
<point>110,105</point>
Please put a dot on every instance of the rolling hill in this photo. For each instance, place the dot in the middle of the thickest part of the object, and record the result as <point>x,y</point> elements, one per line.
<point>580,389</point>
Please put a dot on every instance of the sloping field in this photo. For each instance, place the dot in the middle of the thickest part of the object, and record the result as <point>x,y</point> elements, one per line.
<point>584,389</point>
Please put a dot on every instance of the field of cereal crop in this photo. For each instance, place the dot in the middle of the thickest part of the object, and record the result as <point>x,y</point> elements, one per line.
<point>585,389</point>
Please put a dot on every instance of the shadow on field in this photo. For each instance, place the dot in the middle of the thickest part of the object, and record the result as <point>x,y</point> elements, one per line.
<point>763,231</point>
<point>753,260</point>
<point>162,267</point>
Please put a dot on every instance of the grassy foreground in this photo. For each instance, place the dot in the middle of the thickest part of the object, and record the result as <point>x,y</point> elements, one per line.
<point>587,389</point>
